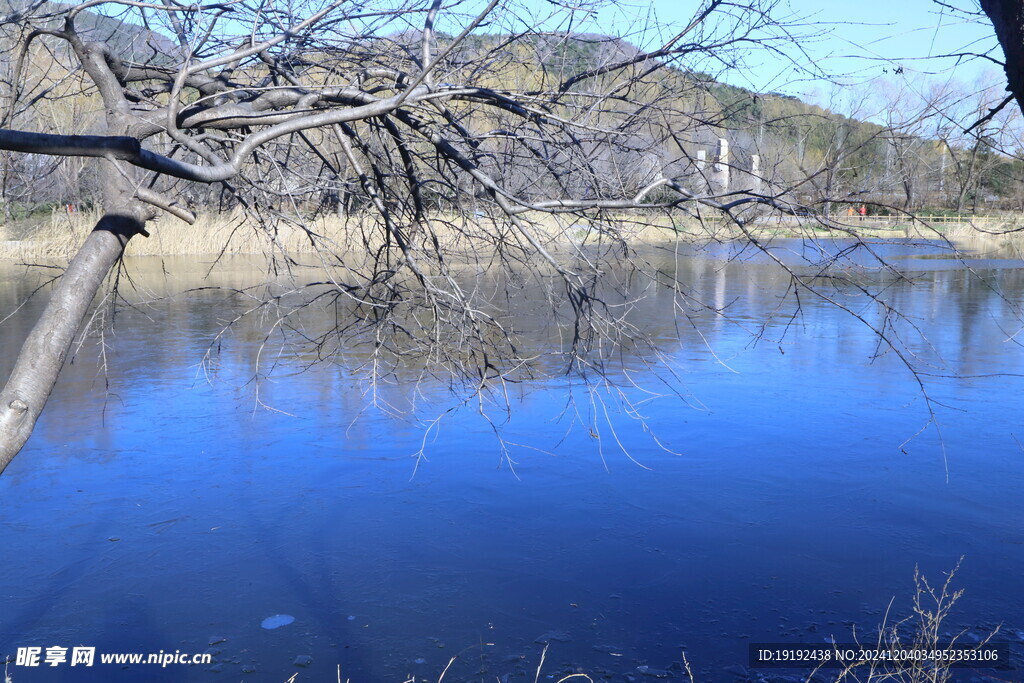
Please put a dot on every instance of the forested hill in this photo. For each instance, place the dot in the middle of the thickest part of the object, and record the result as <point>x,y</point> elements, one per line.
<point>827,154</point>
<point>792,139</point>
<point>129,41</point>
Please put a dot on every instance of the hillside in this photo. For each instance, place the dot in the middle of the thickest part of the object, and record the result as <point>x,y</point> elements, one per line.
<point>825,155</point>
<point>128,40</point>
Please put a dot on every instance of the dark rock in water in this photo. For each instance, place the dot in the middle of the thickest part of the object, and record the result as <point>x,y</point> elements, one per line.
<point>216,668</point>
<point>303,660</point>
<point>606,649</point>
<point>736,670</point>
<point>249,669</point>
<point>653,673</point>
<point>217,639</point>
<point>554,637</point>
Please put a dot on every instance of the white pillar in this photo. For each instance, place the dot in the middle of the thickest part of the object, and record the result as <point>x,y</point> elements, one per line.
<point>720,173</point>
<point>942,170</point>
<point>702,170</point>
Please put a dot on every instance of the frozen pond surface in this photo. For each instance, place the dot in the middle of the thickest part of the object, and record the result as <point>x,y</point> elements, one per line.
<point>170,512</point>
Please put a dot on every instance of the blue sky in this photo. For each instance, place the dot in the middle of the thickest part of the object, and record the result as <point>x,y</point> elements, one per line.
<point>854,42</point>
<point>853,57</point>
<point>835,45</point>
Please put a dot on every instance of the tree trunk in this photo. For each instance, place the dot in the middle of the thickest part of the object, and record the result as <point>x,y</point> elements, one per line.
<point>47,346</point>
<point>44,352</point>
<point>1007,17</point>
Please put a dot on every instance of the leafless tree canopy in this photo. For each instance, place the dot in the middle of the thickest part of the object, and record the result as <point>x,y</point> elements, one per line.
<point>450,137</point>
<point>445,134</point>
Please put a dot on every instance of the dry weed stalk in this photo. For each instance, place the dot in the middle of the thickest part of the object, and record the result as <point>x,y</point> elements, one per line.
<point>932,606</point>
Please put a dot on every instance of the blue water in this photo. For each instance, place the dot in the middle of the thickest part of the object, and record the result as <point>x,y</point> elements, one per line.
<point>794,484</point>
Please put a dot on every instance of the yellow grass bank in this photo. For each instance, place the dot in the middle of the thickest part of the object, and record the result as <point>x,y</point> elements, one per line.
<point>59,236</point>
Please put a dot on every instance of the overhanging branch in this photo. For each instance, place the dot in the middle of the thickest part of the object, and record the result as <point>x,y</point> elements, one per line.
<point>119,147</point>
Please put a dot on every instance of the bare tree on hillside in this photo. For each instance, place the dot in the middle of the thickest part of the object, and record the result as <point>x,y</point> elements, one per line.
<point>420,114</point>
<point>494,133</point>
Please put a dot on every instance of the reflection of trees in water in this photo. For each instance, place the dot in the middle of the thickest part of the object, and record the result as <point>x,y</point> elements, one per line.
<point>954,321</point>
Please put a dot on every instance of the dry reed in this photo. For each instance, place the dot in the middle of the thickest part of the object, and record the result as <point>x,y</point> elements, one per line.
<point>234,234</point>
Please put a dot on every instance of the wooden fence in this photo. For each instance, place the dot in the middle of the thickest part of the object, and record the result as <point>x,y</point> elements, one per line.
<point>903,220</point>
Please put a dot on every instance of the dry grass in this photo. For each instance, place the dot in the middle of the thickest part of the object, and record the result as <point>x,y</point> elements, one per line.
<point>228,234</point>
<point>234,234</point>
<point>922,631</point>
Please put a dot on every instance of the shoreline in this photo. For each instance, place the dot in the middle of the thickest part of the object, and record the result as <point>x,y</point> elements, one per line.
<point>59,236</point>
